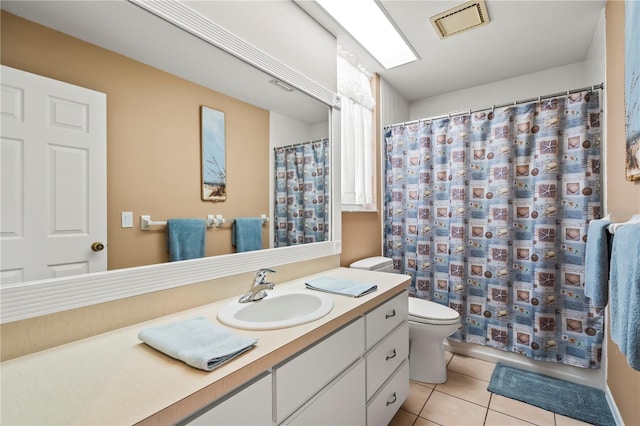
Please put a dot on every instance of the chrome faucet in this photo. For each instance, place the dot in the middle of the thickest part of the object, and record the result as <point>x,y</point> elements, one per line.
<point>258,287</point>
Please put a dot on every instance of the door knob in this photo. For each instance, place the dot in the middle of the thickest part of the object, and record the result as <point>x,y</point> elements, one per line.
<point>97,246</point>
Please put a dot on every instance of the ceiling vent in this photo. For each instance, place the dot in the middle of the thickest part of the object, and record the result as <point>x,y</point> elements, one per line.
<point>461,18</point>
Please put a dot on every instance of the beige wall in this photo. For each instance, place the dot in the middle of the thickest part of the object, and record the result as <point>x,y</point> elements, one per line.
<point>623,200</point>
<point>153,140</point>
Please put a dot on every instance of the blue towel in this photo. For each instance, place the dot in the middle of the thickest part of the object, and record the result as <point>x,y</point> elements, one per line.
<point>186,238</point>
<point>596,259</point>
<point>247,234</point>
<point>624,303</point>
<point>340,286</point>
<point>197,342</point>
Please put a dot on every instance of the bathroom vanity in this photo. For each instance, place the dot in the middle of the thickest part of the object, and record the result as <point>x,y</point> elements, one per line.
<point>348,367</point>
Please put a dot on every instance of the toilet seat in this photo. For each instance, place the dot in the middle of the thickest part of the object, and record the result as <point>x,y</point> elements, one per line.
<point>426,312</point>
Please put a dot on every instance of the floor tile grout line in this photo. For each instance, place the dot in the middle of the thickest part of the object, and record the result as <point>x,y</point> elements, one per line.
<point>515,417</point>
<point>469,375</point>
<point>425,403</point>
<point>486,414</point>
<point>461,399</point>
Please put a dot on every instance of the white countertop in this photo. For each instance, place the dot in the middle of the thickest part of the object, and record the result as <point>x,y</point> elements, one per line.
<point>115,379</point>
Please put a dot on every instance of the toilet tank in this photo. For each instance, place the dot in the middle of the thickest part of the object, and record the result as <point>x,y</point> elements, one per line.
<point>378,263</point>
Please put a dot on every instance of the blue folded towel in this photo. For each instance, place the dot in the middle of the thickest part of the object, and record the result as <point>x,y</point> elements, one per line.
<point>596,259</point>
<point>186,238</point>
<point>247,234</point>
<point>340,286</point>
<point>197,342</point>
<point>624,303</point>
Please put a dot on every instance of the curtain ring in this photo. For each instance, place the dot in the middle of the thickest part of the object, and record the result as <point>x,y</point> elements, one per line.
<point>493,108</point>
<point>539,99</point>
<point>567,93</point>
<point>514,103</point>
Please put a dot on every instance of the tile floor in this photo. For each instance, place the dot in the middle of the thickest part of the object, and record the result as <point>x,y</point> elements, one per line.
<point>465,400</point>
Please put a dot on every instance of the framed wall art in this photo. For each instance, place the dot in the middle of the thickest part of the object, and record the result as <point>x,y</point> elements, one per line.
<point>214,173</point>
<point>632,88</point>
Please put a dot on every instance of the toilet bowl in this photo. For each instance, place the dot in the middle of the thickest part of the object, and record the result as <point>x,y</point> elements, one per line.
<point>429,324</point>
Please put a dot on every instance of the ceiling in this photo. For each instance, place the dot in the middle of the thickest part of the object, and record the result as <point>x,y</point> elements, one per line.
<point>522,37</point>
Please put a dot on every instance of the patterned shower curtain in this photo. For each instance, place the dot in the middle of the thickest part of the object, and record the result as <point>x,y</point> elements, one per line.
<point>302,193</point>
<point>488,213</point>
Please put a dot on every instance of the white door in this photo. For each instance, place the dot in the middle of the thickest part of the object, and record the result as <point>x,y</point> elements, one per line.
<point>53,178</point>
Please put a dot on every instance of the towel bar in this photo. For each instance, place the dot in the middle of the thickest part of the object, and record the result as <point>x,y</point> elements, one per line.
<point>614,226</point>
<point>211,221</point>
<point>264,218</point>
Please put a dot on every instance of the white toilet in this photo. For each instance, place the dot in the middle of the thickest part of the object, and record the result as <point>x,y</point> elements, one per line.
<point>429,324</point>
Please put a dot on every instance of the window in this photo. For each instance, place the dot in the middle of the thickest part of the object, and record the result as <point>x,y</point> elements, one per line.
<point>357,135</point>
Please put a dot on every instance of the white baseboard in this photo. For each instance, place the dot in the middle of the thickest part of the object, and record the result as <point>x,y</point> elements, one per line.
<point>613,407</point>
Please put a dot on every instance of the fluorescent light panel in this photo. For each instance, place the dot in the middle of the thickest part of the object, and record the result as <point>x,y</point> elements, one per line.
<point>366,22</point>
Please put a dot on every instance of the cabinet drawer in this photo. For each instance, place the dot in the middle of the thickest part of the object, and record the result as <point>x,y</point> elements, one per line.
<point>301,377</point>
<point>383,360</point>
<point>233,410</point>
<point>384,406</point>
<point>386,317</point>
<point>342,403</point>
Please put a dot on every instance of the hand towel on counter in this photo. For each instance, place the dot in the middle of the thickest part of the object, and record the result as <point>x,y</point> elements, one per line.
<point>186,238</point>
<point>341,286</point>
<point>624,298</point>
<point>197,342</point>
<point>247,234</point>
<point>596,269</point>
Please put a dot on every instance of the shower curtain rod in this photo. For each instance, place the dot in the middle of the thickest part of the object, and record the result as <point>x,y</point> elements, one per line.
<point>301,143</point>
<point>514,103</point>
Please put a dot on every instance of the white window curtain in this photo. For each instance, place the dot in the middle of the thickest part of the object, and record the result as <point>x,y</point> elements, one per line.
<point>357,147</point>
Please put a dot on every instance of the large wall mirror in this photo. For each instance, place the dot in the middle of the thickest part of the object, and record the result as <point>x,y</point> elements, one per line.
<point>182,47</point>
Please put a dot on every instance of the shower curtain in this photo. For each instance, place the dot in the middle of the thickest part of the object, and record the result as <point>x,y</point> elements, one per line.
<point>302,193</point>
<point>488,213</point>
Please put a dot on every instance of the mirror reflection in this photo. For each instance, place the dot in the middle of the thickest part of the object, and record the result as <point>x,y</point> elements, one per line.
<point>153,105</point>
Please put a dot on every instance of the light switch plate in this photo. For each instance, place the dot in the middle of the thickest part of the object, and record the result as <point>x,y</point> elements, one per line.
<point>127,219</point>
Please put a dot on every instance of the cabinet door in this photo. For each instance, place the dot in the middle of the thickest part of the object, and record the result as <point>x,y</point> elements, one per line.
<point>388,401</point>
<point>385,358</point>
<point>299,379</point>
<point>386,317</point>
<point>342,403</point>
<point>250,406</point>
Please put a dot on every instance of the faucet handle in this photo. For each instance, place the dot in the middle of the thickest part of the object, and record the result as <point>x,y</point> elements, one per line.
<point>261,275</point>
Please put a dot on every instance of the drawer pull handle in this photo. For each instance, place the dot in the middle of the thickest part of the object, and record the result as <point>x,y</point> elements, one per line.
<point>393,400</point>
<point>393,355</point>
<point>391,315</point>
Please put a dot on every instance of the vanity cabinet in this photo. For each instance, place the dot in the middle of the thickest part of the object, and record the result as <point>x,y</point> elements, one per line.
<point>368,391</point>
<point>357,375</point>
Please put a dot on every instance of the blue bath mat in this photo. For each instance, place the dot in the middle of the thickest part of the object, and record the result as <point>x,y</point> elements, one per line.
<point>559,396</point>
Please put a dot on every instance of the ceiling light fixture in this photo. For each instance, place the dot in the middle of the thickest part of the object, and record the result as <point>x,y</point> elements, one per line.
<point>368,24</point>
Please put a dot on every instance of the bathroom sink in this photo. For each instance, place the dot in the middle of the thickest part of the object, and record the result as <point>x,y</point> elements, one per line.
<point>280,309</point>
